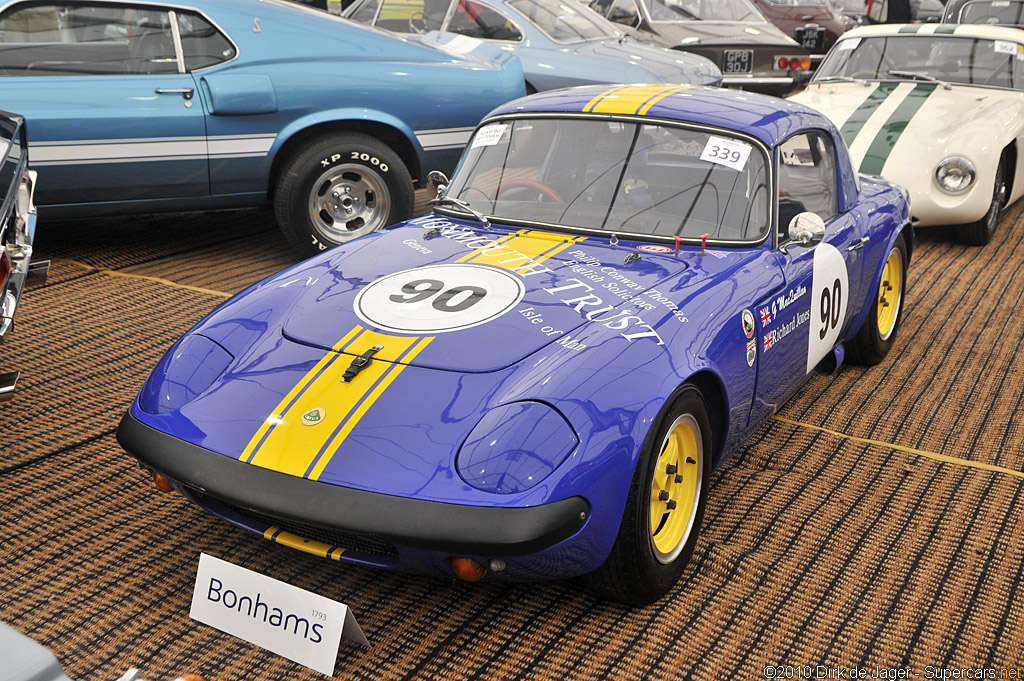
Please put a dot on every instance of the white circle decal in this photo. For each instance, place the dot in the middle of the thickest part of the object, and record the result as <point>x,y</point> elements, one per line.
<point>439,298</point>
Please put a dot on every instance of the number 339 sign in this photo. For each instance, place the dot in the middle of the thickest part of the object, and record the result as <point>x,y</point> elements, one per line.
<point>830,287</point>
<point>439,298</point>
<point>726,152</point>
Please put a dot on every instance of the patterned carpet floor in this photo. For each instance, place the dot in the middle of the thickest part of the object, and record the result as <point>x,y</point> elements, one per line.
<point>874,521</point>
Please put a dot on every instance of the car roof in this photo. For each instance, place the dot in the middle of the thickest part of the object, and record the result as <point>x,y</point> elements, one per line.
<point>768,119</point>
<point>989,31</point>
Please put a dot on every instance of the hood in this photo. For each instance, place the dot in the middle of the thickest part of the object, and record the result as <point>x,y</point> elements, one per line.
<point>665,65</point>
<point>450,295</point>
<point>723,33</point>
<point>885,124</point>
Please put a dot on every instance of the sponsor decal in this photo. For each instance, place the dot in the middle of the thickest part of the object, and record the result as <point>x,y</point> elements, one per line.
<point>417,246</point>
<point>654,248</point>
<point>751,352</point>
<point>581,295</point>
<point>439,298</point>
<point>717,254</point>
<point>748,323</point>
<point>313,416</point>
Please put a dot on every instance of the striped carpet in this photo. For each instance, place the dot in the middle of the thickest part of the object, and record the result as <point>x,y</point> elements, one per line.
<point>874,521</point>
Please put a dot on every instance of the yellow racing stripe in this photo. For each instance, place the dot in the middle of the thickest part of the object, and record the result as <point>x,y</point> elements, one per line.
<point>657,98</point>
<point>292,541</point>
<point>632,99</point>
<point>275,416</point>
<point>291,446</point>
<point>524,247</point>
<point>590,105</point>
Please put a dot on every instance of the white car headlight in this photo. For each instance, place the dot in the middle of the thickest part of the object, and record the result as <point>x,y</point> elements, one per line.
<point>955,175</point>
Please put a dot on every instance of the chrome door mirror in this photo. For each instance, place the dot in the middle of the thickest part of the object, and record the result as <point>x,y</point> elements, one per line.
<point>807,229</point>
<point>439,180</point>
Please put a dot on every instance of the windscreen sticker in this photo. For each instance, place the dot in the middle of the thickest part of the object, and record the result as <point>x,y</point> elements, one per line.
<point>1005,47</point>
<point>726,152</point>
<point>830,292</point>
<point>439,298</point>
<point>849,44</point>
<point>489,135</point>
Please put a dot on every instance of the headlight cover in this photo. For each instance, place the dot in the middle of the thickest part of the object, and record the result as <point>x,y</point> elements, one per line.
<point>515,447</point>
<point>955,175</point>
<point>183,374</point>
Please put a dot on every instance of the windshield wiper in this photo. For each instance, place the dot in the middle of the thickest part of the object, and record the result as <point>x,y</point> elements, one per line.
<point>920,76</point>
<point>462,205</point>
<point>838,79</point>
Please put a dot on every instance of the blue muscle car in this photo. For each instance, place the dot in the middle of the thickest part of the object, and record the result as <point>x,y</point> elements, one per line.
<point>616,288</point>
<point>560,42</point>
<point>171,106</point>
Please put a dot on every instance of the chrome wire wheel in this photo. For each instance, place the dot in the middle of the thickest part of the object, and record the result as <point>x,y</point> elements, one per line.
<point>675,488</point>
<point>348,201</point>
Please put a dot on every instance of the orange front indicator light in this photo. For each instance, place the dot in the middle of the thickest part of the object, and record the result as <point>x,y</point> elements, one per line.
<point>468,570</point>
<point>163,483</point>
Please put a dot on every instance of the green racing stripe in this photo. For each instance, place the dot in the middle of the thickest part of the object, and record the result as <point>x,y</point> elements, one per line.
<point>851,128</point>
<point>882,146</point>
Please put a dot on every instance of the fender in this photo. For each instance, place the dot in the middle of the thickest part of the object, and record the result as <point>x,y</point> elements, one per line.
<point>341,116</point>
<point>907,232</point>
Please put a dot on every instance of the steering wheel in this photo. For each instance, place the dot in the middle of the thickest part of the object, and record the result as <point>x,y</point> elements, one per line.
<point>530,184</point>
<point>417,22</point>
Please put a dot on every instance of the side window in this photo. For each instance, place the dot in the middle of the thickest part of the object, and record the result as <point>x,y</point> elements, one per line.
<point>365,12</point>
<point>480,21</point>
<point>412,16</point>
<point>625,12</point>
<point>601,7</point>
<point>807,178</point>
<point>63,39</point>
<point>201,44</point>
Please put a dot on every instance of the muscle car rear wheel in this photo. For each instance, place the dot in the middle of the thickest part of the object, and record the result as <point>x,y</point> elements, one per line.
<point>878,332</point>
<point>663,514</point>
<point>338,187</point>
<point>980,233</point>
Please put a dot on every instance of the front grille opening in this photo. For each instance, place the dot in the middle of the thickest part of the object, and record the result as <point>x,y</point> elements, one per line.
<point>369,544</point>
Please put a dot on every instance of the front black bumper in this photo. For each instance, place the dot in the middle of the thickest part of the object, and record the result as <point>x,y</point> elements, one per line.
<point>415,523</point>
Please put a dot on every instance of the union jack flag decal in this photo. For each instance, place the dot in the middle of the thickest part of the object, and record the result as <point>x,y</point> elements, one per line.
<point>766,317</point>
<point>767,342</point>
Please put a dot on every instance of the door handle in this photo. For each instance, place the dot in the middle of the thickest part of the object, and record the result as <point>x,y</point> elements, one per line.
<point>185,92</point>
<point>859,245</point>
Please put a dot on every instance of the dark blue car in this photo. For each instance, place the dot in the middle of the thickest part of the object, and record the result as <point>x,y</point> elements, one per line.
<point>617,288</point>
<point>167,106</point>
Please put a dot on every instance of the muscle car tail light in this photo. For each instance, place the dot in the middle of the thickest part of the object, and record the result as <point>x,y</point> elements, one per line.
<point>467,569</point>
<point>163,483</point>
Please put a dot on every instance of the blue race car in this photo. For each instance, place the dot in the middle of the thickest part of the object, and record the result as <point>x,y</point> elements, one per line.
<point>560,42</point>
<point>617,287</point>
<point>171,106</point>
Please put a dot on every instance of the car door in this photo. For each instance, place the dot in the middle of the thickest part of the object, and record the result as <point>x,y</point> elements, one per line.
<point>801,324</point>
<point>112,113</point>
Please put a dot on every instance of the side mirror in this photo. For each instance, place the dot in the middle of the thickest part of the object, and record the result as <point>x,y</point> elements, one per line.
<point>807,229</point>
<point>439,180</point>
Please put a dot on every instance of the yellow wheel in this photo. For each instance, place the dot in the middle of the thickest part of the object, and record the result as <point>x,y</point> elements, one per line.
<point>662,516</point>
<point>675,487</point>
<point>890,294</point>
<point>878,332</point>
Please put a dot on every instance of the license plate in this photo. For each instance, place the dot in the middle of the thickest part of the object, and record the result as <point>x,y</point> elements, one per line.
<point>811,38</point>
<point>738,61</point>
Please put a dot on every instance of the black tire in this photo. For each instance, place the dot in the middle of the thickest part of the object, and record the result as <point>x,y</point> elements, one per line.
<point>338,187</point>
<point>878,333</point>
<point>980,233</point>
<point>638,571</point>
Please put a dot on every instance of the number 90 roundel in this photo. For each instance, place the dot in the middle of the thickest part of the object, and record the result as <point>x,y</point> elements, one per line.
<point>439,298</point>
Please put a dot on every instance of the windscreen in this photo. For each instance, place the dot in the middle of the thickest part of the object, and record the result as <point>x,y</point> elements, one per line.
<point>565,21</point>
<point>950,59</point>
<point>1002,12</point>
<point>712,10</point>
<point>618,176</point>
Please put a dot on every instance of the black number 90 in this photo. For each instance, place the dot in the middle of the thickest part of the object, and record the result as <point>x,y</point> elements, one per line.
<point>455,299</point>
<point>831,303</point>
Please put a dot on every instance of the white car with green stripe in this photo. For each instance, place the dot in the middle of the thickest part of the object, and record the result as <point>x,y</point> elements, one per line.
<point>938,108</point>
